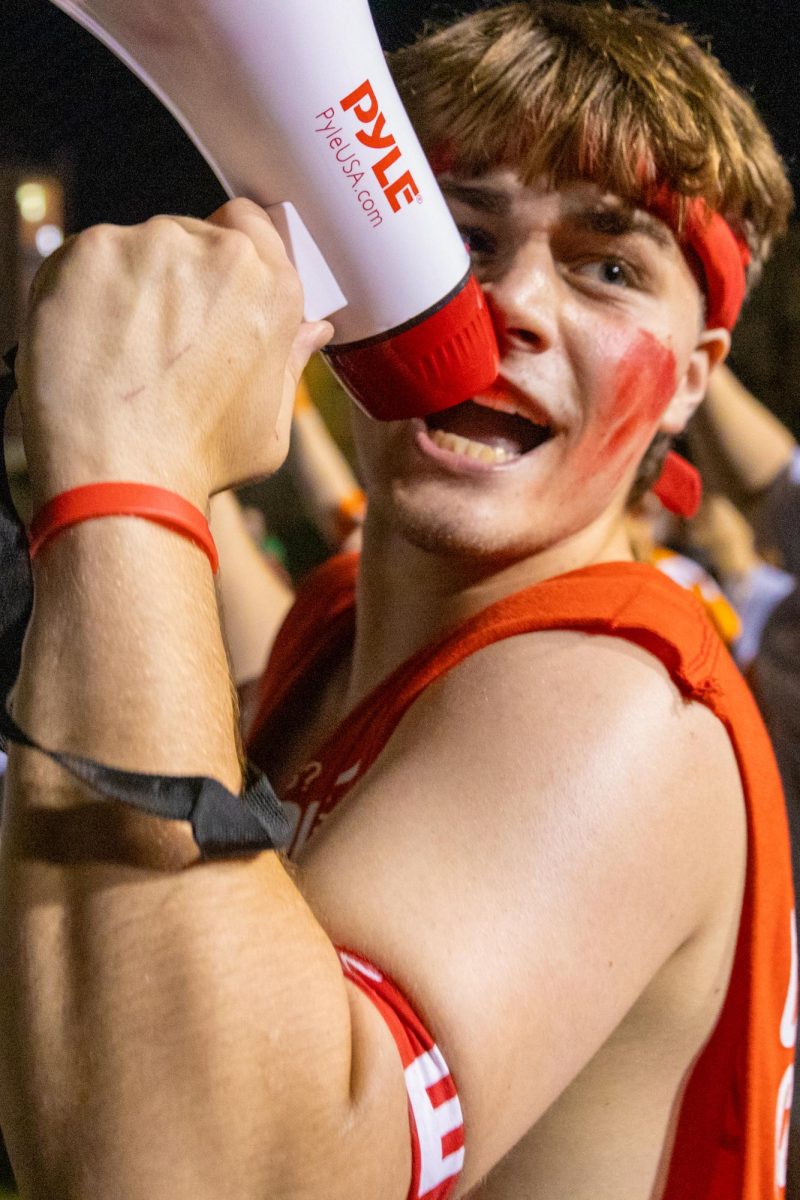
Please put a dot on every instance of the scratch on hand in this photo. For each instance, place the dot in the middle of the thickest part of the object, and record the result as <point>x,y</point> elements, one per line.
<point>137,391</point>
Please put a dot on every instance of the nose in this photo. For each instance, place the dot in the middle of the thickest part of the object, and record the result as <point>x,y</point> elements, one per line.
<point>522,302</point>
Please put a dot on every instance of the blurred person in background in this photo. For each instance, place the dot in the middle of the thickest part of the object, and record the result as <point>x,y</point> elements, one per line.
<point>334,502</point>
<point>753,458</point>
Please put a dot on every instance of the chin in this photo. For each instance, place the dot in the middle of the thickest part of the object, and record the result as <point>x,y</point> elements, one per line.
<point>468,535</point>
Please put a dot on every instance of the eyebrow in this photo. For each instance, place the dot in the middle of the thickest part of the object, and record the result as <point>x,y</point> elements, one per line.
<point>617,222</point>
<point>488,200</point>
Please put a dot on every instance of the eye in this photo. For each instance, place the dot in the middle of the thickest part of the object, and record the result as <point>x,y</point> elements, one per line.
<point>479,243</point>
<point>612,272</point>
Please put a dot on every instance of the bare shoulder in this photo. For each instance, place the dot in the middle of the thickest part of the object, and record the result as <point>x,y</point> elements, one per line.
<point>587,709</point>
<point>602,721</point>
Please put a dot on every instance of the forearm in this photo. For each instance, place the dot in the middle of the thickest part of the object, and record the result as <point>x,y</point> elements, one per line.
<point>740,446</point>
<point>254,599</point>
<point>153,1013</point>
<point>328,486</point>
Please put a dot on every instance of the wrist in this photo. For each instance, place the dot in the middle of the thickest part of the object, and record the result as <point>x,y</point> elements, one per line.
<point>111,498</point>
<point>125,628</point>
<point>52,475</point>
<point>62,457</point>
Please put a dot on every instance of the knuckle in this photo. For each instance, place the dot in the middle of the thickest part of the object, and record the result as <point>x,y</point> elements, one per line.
<point>233,256</point>
<point>161,229</point>
<point>240,207</point>
<point>94,241</point>
<point>83,255</point>
<point>237,246</point>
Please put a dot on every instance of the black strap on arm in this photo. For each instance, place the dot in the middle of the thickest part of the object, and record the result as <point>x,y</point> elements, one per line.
<point>222,823</point>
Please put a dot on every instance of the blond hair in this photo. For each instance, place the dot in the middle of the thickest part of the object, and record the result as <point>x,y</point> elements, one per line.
<point>585,91</point>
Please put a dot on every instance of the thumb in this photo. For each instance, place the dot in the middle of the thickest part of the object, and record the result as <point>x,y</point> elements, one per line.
<point>310,337</point>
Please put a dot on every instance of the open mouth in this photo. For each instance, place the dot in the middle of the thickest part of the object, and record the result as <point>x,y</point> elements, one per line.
<point>488,435</point>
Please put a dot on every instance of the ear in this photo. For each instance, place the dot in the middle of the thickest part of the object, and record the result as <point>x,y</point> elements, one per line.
<point>712,348</point>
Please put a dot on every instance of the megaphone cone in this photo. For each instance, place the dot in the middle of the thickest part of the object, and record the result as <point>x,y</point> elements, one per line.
<point>292,105</point>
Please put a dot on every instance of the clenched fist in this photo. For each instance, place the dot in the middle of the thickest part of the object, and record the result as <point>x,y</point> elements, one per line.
<point>164,353</point>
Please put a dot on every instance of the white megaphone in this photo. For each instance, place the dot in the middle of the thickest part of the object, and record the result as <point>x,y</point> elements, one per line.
<point>292,105</point>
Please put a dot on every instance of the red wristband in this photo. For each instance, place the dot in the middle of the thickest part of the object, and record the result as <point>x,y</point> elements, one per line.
<point>122,500</point>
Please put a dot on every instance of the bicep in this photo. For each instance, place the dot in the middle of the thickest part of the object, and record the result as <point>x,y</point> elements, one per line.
<point>513,860</point>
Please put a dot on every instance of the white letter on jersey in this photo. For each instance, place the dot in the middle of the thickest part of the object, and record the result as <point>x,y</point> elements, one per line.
<point>782,1127</point>
<point>789,1021</point>
<point>433,1124</point>
<point>788,1034</point>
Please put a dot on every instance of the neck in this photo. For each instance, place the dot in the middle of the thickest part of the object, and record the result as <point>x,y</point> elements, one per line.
<point>409,597</point>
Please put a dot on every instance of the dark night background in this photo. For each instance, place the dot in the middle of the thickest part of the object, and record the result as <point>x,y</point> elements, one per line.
<point>68,103</point>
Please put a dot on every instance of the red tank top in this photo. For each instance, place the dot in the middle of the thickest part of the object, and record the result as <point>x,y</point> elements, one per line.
<point>731,1136</point>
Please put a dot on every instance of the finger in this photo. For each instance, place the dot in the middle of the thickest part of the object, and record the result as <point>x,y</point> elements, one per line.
<point>43,279</point>
<point>253,221</point>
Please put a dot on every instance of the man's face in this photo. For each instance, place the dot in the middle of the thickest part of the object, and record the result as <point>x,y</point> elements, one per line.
<point>598,318</point>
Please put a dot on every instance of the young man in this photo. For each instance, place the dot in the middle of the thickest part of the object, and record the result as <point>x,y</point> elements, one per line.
<point>559,884</point>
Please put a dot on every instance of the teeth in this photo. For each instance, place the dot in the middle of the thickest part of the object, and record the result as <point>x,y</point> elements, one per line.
<point>468,448</point>
<point>504,405</point>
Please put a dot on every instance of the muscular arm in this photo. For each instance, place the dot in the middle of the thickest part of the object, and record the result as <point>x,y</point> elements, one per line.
<point>163,1023</point>
<point>151,1039</point>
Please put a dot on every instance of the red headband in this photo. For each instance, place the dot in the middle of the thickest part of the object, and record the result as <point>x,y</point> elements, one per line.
<point>724,256</point>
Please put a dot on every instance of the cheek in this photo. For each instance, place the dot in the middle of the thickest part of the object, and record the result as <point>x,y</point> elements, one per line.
<point>642,385</point>
<point>375,445</point>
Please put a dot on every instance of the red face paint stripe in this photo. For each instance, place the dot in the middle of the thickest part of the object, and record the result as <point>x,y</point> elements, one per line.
<point>644,386</point>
